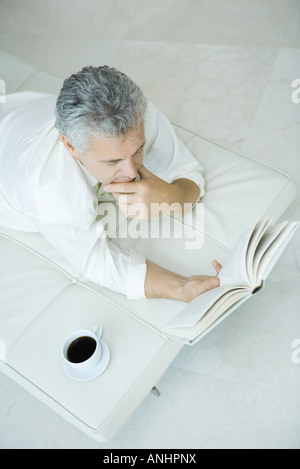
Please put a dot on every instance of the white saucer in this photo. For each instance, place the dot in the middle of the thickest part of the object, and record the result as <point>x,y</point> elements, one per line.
<point>87,375</point>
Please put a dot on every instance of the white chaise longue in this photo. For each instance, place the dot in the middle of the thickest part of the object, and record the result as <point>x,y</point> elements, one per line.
<point>42,298</point>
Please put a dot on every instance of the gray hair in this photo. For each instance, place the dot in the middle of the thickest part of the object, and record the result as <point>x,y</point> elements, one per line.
<point>99,101</point>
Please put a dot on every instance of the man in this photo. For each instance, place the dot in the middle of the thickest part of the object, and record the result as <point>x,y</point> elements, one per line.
<point>106,138</point>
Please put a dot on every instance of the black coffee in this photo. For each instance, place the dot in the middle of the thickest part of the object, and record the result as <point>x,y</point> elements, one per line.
<point>81,349</point>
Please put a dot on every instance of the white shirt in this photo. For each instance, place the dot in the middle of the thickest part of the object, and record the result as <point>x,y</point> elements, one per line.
<point>43,188</point>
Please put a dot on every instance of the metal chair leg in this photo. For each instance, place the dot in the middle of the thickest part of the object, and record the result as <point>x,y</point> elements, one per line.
<point>155,391</point>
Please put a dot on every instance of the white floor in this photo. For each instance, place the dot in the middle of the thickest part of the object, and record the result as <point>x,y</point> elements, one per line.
<point>223,68</point>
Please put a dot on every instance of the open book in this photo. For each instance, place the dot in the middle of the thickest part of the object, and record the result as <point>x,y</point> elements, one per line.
<point>242,275</point>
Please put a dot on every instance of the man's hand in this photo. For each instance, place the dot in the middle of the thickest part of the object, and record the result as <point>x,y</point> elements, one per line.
<point>161,283</point>
<point>151,196</point>
<point>140,199</point>
<point>197,284</point>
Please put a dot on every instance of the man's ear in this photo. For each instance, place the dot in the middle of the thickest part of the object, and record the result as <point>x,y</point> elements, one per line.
<point>68,145</point>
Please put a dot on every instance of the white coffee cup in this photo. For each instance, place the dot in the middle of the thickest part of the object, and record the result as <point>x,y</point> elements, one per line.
<point>76,338</point>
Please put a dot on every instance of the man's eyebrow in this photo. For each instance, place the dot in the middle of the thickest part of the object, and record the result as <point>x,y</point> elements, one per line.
<point>143,144</point>
<point>120,159</point>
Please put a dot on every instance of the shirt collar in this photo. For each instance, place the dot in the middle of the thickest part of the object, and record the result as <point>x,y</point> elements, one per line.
<point>91,180</point>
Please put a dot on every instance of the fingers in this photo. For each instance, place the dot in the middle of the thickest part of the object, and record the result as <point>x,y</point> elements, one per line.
<point>124,198</point>
<point>143,172</point>
<point>210,283</point>
<point>121,187</point>
<point>217,266</point>
<point>205,285</point>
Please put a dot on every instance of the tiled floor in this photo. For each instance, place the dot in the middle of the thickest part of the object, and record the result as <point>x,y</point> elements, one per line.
<point>223,68</point>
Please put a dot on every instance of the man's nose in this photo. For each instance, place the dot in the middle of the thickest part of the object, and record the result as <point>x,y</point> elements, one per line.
<point>130,169</point>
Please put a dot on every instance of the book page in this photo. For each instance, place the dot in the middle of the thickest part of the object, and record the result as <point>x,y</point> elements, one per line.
<point>218,309</point>
<point>203,305</point>
<point>234,271</point>
<point>232,275</point>
<point>265,242</point>
<point>258,231</point>
<point>215,312</point>
<point>275,249</point>
<point>194,311</point>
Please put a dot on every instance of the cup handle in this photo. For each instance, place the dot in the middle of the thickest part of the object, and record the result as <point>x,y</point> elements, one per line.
<point>98,331</point>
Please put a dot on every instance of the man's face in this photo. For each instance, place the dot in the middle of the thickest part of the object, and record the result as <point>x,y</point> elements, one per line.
<point>111,159</point>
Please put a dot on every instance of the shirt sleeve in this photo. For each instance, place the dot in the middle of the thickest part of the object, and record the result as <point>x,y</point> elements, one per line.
<point>97,258</point>
<point>166,155</point>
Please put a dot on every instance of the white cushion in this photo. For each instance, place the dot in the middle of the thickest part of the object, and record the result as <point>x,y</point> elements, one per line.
<point>40,306</point>
<point>238,190</point>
